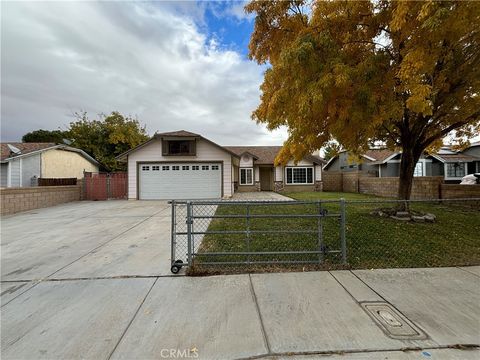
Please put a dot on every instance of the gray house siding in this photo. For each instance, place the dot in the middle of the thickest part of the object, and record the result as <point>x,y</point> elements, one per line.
<point>345,165</point>
<point>30,168</point>
<point>4,175</point>
<point>390,169</point>
<point>334,165</point>
<point>342,163</point>
<point>473,166</point>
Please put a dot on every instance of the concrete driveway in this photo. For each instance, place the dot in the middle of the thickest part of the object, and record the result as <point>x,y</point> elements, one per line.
<point>87,239</point>
<point>91,280</point>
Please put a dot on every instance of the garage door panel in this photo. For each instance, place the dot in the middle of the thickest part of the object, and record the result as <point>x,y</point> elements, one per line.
<point>180,181</point>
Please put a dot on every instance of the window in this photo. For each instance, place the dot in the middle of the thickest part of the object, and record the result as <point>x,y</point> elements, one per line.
<point>178,147</point>
<point>214,167</point>
<point>175,167</point>
<point>455,170</point>
<point>155,167</point>
<point>299,175</point>
<point>246,176</point>
<point>185,167</point>
<point>418,169</point>
<point>205,167</point>
<point>165,167</point>
<point>145,168</point>
<point>195,167</point>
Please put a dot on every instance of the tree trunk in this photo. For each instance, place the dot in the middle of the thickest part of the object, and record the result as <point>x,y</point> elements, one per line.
<point>408,162</point>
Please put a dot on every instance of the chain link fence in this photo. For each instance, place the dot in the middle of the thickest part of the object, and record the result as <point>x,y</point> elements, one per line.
<point>210,237</point>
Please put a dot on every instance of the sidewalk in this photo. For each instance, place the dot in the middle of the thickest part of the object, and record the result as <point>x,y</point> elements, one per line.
<point>367,314</point>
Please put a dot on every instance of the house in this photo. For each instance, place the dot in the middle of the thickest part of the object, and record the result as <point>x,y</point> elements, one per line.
<point>23,163</point>
<point>451,164</point>
<point>184,165</point>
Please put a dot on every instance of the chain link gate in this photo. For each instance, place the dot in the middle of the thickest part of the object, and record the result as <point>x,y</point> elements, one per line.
<point>242,234</point>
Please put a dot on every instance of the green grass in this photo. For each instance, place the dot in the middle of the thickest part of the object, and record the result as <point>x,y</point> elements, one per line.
<point>372,242</point>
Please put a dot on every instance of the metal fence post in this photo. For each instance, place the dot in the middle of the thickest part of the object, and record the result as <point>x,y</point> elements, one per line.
<point>320,232</point>
<point>248,232</point>
<point>342,231</point>
<point>174,240</point>
<point>189,232</point>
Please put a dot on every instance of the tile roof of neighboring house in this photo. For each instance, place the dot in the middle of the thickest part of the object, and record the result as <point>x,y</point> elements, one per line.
<point>266,154</point>
<point>459,157</point>
<point>25,148</point>
<point>380,154</point>
<point>376,156</point>
<point>178,133</point>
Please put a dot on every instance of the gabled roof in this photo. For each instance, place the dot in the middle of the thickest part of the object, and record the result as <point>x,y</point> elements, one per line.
<point>375,156</point>
<point>265,155</point>
<point>459,157</point>
<point>179,133</point>
<point>24,148</point>
<point>28,149</point>
<point>381,155</point>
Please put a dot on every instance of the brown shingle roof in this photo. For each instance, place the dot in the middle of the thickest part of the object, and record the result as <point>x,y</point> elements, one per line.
<point>25,148</point>
<point>455,157</point>
<point>379,154</point>
<point>266,154</point>
<point>179,133</point>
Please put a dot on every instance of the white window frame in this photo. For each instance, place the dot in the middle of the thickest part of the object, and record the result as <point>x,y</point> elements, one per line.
<point>306,176</point>
<point>246,177</point>
<point>445,166</point>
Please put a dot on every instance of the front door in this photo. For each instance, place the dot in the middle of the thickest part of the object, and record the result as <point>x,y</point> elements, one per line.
<point>266,179</point>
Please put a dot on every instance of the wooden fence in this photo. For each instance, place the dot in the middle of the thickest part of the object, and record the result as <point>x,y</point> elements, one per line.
<point>57,181</point>
<point>103,186</point>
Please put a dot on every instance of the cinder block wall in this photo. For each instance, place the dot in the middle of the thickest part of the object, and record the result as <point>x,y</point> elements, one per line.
<point>332,181</point>
<point>427,187</point>
<point>14,200</point>
<point>456,191</point>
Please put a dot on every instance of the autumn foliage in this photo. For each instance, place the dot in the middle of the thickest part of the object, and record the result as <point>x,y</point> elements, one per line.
<point>402,73</point>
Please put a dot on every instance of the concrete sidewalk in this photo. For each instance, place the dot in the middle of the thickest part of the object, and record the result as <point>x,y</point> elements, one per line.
<point>378,314</point>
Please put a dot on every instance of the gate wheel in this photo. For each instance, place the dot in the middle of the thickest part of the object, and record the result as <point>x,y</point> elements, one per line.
<point>176,267</point>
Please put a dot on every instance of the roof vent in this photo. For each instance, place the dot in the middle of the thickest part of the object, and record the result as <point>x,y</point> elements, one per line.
<point>14,150</point>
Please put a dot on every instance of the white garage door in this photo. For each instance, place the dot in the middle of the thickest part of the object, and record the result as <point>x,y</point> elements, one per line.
<point>180,181</point>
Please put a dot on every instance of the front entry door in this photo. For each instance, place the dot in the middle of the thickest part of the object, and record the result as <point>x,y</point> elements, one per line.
<point>266,179</point>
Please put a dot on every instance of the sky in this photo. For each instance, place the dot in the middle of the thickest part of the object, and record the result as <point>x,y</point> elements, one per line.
<point>173,65</point>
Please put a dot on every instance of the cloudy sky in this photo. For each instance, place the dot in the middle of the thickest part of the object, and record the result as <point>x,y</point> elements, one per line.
<point>173,65</point>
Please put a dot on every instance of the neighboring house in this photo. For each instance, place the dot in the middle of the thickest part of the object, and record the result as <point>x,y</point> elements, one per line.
<point>473,150</point>
<point>23,163</point>
<point>184,165</point>
<point>452,165</point>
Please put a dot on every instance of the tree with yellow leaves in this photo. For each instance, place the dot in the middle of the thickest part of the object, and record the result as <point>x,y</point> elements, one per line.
<point>404,73</point>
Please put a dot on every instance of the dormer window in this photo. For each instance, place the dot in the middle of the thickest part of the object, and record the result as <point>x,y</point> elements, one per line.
<point>178,147</point>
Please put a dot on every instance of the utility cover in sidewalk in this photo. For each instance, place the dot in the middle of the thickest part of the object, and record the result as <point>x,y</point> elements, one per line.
<point>392,322</point>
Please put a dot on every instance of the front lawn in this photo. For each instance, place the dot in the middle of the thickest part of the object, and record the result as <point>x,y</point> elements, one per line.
<point>372,241</point>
